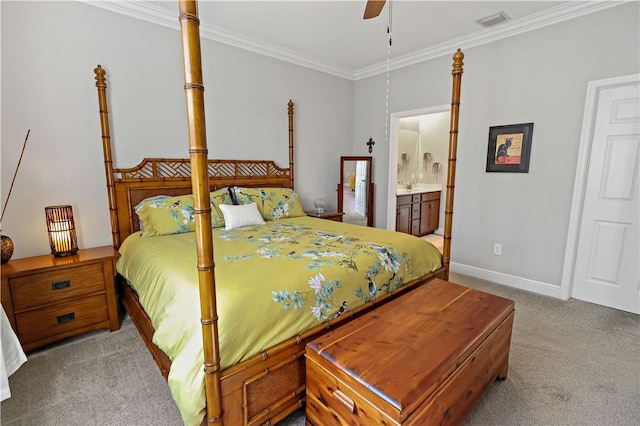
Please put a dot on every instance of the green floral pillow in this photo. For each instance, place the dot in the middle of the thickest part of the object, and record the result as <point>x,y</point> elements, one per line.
<point>174,215</point>
<point>273,203</point>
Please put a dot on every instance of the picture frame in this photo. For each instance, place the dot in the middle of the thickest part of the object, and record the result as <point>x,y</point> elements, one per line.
<point>509,148</point>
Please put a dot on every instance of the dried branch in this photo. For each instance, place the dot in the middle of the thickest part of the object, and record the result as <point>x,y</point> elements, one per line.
<point>15,174</point>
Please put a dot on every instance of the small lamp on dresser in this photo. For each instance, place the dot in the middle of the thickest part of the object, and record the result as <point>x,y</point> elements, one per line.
<point>61,230</point>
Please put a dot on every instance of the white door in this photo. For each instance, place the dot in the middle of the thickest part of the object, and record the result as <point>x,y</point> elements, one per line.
<point>361,188</point>
<point>607,256</point>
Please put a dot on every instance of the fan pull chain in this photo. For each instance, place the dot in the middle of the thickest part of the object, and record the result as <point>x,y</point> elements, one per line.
<point>386,102</point>
<point>389,26</point>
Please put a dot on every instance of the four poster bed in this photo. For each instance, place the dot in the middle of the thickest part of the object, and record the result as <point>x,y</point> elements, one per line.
<point>302,268</point>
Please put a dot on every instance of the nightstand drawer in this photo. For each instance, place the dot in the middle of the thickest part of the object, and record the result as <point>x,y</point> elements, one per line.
<point>49,287</point>
<point>57,319</point>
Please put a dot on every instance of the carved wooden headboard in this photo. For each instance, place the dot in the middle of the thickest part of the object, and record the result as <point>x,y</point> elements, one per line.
<point>160,176</point>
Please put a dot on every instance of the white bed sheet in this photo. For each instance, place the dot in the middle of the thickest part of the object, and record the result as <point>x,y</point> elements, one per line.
<point>12,355</point>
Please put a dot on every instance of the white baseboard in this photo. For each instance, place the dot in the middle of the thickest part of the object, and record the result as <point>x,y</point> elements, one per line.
<point>508,280</point>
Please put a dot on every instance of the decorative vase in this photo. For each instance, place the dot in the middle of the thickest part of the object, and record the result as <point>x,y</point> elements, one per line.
<point>7,248</point>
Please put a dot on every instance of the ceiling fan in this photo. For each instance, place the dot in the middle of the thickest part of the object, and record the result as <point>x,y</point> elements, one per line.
<point>373,8</point>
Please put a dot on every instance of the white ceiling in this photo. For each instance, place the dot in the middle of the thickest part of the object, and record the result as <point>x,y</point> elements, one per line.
<point>332,36</point>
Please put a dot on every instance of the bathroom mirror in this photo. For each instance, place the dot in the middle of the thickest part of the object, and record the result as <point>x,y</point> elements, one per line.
<point>355,190</point>
<point>423,149</point>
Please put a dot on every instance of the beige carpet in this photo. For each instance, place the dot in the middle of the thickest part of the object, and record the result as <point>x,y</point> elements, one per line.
<point>572,363</point>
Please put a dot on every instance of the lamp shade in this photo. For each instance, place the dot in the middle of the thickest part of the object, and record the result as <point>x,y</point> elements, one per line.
<point>61,230</point>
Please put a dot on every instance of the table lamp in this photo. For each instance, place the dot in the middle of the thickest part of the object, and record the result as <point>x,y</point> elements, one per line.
<point>62,231</point>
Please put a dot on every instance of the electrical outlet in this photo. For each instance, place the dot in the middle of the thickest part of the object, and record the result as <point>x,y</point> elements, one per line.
<point>497,249</point>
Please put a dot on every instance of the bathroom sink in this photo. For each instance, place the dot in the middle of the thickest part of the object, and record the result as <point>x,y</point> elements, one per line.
<point>404,191</point>
<point>420,188</point>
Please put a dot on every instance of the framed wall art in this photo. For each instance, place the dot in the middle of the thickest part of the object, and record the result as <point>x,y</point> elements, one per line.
<point>509,148</point>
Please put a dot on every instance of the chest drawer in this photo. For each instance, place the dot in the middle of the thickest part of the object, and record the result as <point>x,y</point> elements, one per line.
<point>58,319</point>
<point>331,401</point>
<point>37,289</point>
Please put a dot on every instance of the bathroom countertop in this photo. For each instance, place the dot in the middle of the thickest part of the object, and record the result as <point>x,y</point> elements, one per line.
<point>419,189</point>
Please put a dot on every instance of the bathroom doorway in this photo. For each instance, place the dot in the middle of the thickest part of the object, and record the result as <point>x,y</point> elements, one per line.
<point>418,154</point>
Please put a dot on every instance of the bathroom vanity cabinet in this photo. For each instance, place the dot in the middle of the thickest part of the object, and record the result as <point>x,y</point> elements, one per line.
<point>418,213</point>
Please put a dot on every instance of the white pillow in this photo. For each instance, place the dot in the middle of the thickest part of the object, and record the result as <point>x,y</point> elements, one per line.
<point>237,216</point>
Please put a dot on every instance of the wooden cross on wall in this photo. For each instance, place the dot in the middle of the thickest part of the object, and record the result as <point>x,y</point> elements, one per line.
<point>371,143</point>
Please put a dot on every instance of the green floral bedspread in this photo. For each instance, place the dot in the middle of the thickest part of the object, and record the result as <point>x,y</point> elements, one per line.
<point>272,282</point>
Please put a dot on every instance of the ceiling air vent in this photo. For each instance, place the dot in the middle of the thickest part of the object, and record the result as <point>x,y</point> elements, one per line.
<point>493,19</point>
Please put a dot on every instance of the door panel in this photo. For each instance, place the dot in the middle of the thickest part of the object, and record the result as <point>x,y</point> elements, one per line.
<point>403,219</point>
<point>607,251</point>
<point>607,267</point>
<point>622,159</point>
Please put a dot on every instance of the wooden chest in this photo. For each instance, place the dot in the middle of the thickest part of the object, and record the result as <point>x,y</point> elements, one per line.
<point>424,358</point>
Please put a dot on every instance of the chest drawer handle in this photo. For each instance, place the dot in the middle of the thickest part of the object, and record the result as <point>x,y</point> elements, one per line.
<point>66,317</point>
<point>59,285</point>
<point>345,400</point>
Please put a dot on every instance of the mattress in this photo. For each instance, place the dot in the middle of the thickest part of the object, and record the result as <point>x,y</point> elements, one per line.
<point>273,281</point>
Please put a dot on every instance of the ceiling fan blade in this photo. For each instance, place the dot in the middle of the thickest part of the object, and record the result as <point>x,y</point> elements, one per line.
<point>373,8</point>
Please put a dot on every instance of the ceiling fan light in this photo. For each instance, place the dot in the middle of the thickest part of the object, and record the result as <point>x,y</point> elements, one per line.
<point>493,19</point>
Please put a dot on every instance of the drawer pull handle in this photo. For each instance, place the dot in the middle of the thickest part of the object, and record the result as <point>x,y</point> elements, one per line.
<point>59,285</point>
<point>345,400</point>
<point>66,317</point>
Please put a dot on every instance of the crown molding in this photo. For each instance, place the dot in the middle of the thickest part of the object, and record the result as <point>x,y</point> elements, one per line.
<point>161,16</point>
<point>510,28</point>
<point>262,47</point>
<point>166,18</point>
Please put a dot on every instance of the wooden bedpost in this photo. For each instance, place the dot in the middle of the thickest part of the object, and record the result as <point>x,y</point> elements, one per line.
<point>101,84</point>
<point>290,111</point>
<point>194,91</point>
<point>456,72</point>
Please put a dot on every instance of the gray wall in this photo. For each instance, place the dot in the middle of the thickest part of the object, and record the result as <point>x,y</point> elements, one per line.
<point>49,51</point>
<point>541,77</point>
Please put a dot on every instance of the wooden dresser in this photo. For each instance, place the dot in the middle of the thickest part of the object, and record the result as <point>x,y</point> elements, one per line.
<point>424,358</point>
<point>48,298</point>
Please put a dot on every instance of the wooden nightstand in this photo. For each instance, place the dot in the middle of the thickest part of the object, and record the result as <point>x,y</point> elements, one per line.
<point>49,298</point>
<point>327,215</point>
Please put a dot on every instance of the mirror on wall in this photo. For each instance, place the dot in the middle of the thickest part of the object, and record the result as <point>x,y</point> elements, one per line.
<point>355,190</point>
<point>423,149</point>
